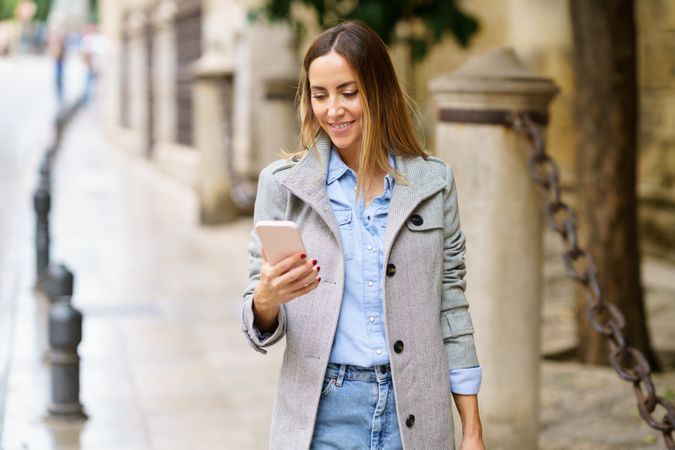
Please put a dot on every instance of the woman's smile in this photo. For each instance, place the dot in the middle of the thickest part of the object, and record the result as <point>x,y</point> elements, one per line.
<point>341,126</point>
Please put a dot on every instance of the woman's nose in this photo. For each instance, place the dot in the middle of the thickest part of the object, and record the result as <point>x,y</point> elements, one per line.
<point>335,109</point>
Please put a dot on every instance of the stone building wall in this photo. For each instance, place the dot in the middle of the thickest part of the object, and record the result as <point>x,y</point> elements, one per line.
<point>538,31</point>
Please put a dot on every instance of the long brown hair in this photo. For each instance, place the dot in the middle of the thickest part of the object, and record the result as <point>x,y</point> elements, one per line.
<point>387,124</point>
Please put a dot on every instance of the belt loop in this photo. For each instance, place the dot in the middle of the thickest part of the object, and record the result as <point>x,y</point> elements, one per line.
<point>341,375</point>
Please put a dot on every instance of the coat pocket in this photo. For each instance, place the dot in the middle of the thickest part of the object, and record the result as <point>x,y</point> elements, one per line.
<point>455,323</point>
<point>427,216</point>
<point>328,386</point>
<point>344,221</point>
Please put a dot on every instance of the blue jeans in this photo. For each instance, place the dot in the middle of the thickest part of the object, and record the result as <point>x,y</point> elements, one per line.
<point>357,410</point>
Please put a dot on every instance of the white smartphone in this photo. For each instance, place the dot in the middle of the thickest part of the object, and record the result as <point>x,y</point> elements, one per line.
<point>280,239</point>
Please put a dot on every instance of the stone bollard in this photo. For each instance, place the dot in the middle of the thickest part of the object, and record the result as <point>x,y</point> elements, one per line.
<point>65,334</point>
<point>501,217</point>
<point>59,282</point>
<point>42,205</point>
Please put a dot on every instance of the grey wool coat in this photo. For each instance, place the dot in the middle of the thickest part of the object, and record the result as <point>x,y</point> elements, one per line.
<point>427,323</point>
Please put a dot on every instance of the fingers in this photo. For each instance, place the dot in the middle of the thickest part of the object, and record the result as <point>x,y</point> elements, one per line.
<point>305,280</point>
<point>310,287</point>
<point>297,273</point>
<point>287,264</point>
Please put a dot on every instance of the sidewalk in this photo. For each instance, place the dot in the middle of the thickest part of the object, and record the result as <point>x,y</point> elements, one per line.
<point>164,365</point>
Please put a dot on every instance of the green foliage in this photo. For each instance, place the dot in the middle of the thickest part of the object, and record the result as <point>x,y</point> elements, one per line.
<point>669,395</point>
<point>7,8</point>
<point>437,16</point>
<point>43,8</point>
<point>649,439</point>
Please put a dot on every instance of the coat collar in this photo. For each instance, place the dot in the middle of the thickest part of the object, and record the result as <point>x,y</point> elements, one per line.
<point>307,180</point>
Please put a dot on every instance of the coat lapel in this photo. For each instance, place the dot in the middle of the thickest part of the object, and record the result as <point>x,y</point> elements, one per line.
<point>307,181</point>
<point>422,184</point>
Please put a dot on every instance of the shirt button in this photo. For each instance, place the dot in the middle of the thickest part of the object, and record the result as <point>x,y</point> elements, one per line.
<point>410,421</point>
<point>379,352</point>
<point>370,248</point>
<point>371,318</point>
<point>370,284</point>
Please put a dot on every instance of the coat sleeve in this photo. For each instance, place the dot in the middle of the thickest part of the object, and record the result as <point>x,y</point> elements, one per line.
<point>270,204</point>
<point>455,319</point>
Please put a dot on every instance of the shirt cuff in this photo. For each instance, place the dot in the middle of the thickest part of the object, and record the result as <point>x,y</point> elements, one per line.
<point>466,381</point>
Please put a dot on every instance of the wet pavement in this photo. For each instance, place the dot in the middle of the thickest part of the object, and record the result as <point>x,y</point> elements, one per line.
<point>164,365</point>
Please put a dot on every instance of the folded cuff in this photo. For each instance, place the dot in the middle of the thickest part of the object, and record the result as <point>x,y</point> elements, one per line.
<point>466,381</point>
<point>256,338</point>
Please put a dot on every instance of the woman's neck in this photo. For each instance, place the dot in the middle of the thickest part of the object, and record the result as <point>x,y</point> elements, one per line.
<point>351,158</point>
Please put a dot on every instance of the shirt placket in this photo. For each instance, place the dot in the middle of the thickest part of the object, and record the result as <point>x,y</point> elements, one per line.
<point>372,286</point>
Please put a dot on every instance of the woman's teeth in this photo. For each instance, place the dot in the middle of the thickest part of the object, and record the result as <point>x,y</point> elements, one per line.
<point>342,125</point>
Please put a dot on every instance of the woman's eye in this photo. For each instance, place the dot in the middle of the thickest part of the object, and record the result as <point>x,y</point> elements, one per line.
<point>351,94</point>
<point>318,97</point>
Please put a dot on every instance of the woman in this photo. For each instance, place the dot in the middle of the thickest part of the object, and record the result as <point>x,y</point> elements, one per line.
<point>374,345</point>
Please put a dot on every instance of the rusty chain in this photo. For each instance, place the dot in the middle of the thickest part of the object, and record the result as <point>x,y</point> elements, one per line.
<point>605,317</point>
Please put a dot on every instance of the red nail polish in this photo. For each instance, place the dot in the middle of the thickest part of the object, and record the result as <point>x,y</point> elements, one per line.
<point>318,268</point>
<point>319,279</point>
<point>303,256</point>
<point>314,262</point>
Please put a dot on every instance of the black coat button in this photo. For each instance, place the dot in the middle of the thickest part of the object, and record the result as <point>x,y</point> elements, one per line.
<point>416,220</point>
<point>398,346</point>
<point>410,421</point>
<point>391,270</point>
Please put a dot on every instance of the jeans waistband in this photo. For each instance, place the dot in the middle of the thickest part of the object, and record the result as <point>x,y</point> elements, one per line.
<point>355,373</point>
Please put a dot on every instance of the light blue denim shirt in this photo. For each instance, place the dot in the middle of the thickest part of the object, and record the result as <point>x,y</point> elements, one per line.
<point>360,335</point>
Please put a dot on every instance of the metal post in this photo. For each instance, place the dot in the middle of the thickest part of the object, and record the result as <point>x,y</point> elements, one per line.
<point>41,204</point>
<point>501,218</point>
<point>59,282</point>
<point>65,334</point>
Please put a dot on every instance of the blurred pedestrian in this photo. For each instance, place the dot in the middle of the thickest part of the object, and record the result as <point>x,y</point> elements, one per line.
<point>23,13</point>
<point>88,49</point>
<point>377,345</point>
<point>57,49</point>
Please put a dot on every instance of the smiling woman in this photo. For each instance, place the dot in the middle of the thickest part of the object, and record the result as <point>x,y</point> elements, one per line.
<point>377,350</point>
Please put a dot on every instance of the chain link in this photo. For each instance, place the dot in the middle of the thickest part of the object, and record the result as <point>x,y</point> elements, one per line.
<point>605,317</point>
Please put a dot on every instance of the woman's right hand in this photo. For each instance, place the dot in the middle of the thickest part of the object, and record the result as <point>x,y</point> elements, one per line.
<point>279,284</point>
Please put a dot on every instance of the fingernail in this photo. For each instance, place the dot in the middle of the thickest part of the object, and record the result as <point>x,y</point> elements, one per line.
<point>303,256</point>
<point>318,268</point>
<point>314,262</point>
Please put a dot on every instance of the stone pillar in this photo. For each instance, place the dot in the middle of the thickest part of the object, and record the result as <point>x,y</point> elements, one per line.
<point>213,137</point>
<point>265,115</point>
<point>164,76</point>
<point>501,215</point>
<point>244,111</point>
<point>138,113</point>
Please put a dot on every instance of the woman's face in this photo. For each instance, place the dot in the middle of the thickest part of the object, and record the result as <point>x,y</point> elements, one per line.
<point>336,101</point>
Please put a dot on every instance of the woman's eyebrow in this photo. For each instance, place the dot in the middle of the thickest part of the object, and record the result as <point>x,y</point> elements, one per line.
<point>339,86</point>
<point>345,84</point>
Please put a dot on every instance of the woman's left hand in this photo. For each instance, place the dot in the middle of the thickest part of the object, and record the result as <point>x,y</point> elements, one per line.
<point>472,443</point>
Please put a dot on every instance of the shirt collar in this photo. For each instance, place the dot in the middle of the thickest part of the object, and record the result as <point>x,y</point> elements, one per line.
<point>337,168</point>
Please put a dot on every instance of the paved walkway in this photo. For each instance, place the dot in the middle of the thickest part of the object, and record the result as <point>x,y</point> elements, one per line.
<point>164,365</point>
